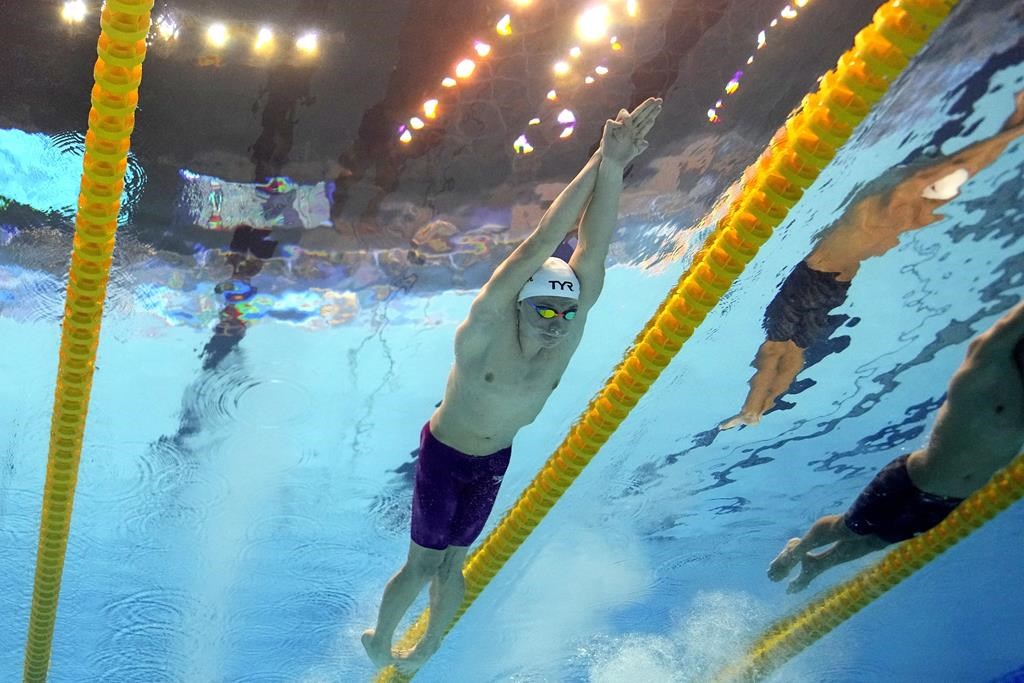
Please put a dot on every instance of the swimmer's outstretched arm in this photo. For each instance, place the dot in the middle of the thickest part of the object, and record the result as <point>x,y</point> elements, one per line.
<point>560,219</point>
<point>622,140</point>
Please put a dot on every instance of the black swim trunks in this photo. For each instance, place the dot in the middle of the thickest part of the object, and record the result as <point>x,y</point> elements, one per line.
<point>893,509</point>
<point>800,311</point>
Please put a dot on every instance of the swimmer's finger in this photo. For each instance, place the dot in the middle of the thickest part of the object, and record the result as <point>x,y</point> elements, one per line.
<point>642,123</point>
<point>645,127</point>
<point>646,108</point>
<point>614,126</point>
<point>646,114</point>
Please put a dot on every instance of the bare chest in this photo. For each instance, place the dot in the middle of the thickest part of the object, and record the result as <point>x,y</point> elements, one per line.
<point>518,389</point>
<point>490,399</point>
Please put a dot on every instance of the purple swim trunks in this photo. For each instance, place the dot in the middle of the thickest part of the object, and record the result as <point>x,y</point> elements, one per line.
<point>454,492</point>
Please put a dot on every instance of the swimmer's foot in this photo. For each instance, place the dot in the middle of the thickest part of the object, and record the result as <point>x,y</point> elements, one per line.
<point>749,419</point>
<point>784,561</point>
<point>378,651</point>
<point>799,583</point>
<point>810,567</point>
<point>409,661</point>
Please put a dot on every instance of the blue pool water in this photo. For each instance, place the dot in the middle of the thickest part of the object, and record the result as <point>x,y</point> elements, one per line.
<point>238,523</point>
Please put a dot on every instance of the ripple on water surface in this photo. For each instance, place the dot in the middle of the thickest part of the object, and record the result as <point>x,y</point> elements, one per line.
<point>146,626</point>
<point>231,395</point>
<point>271,403</point>
<point>179,492</point>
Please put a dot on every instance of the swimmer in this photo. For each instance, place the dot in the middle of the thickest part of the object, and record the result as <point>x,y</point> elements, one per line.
<point>510,352</point>
<point>978,431</point>
<point>903,199</point>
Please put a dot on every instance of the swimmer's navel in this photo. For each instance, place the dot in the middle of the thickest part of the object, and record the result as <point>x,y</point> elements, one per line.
<point>489,377</point>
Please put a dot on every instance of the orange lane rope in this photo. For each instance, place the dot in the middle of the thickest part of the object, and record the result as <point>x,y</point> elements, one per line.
<point>124,25</point>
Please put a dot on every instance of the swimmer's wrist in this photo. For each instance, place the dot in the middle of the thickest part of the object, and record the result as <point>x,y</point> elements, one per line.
<point>611,164</point>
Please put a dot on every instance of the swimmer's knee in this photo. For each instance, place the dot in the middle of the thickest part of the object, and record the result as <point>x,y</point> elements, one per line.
<point>451,566</point>
<point>425,562</point>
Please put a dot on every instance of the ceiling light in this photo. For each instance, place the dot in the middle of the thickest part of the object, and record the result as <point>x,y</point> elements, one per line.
<point>74,11</point>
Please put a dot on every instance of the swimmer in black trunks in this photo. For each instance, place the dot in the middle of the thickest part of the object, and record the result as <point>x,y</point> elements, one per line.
<point>903,199</point>
<point>979,430</point>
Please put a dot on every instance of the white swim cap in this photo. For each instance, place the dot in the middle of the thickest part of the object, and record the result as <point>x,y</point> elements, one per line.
<point>554,278</point>
<point>947,187</point>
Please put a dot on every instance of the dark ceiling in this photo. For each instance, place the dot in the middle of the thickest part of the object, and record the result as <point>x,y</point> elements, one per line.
<point>335,117</point>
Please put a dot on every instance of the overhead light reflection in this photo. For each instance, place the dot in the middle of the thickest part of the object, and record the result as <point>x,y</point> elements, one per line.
<point>74,11</point>
<point>522,145</point>
<point>264,40</point>
<point>465,68</point>
<point>308,43</point>
<point>592,24</point>
<point>166,27</point>
<point>217,35</point>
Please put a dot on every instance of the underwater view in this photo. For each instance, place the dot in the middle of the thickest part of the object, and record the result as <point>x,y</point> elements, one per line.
<point>627,336</point>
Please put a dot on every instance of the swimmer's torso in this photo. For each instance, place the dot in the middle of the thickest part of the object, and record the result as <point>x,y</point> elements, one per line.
<point>978,430</point>
<point>495,392</point>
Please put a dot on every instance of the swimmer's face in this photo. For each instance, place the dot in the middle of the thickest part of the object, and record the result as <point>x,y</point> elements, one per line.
<point>548,319</point>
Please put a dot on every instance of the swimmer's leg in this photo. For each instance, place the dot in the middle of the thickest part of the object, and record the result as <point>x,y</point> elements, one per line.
<point>421,565</point>
<point>767,366</point>
<point>790,363</point>
<point>825,531</point>
<point>844,551</point>
<point>447,589</point>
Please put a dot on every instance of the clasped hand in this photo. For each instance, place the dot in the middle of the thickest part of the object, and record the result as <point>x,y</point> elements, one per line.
<point>624,137</point>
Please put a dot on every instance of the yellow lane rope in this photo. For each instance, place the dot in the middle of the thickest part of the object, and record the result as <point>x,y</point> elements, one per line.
<point>793,160</point>
<point>121,49</point>
<point>792,635</point>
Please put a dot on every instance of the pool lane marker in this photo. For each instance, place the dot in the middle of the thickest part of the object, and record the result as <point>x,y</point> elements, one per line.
<point>121,49</point>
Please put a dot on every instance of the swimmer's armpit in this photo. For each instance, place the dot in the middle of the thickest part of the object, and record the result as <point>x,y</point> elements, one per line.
<point>1003,336</point>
